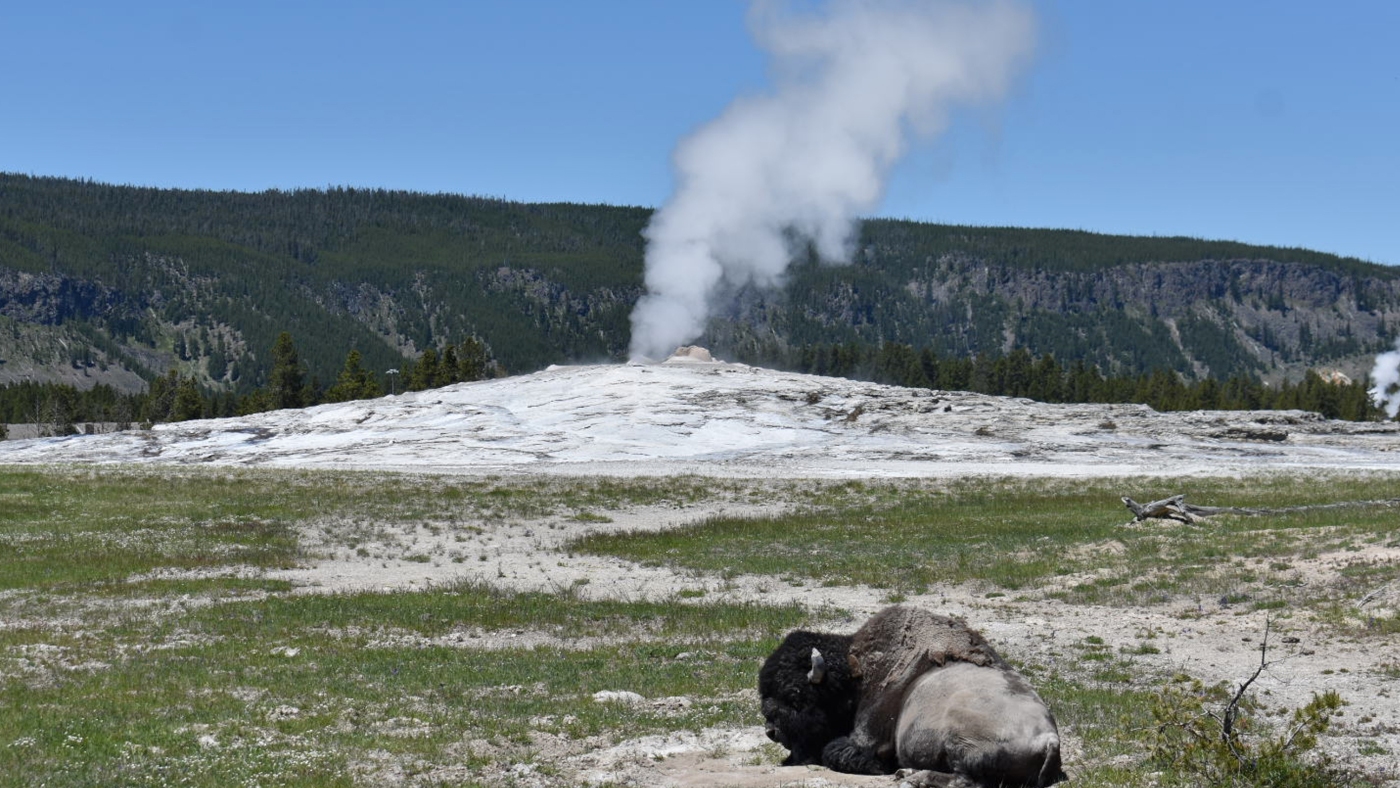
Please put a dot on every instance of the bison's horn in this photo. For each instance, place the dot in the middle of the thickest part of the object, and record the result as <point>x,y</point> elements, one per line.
<point>818,671</point>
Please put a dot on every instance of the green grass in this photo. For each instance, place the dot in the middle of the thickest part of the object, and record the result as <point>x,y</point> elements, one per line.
<point>1015,534</point>
<point>126,522</point>
<point>1107,719</point>
<point>886,536</point>
<point>294,690</point>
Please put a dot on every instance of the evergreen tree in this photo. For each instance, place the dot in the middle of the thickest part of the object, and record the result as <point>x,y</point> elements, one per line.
<point>189,403</point>
<point>898,364</point>
<point>425,371</point>
<point>448,367</point>
<point>354,382</point>
<point>1017,371</point>
<point>983,379</point>
<point>956,374</point>
<point>1047,380</point>
<point>1162,390</point>
<point>58,412</point>
<point>928,362</point>
<point>288,378</point>
<point>311,392</point>
<point>474,361</point>
<point>1206,395</point>
<point>256,401</point>
<point>160,397</point>
<point>447,372</point>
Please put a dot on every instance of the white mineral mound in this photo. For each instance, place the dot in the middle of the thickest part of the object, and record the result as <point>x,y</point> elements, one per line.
<point>690,353</point>
<point>692,414</point>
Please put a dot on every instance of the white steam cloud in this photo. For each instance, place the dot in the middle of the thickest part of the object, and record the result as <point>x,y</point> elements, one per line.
<point>855,84</point>
<point>1386,374</point>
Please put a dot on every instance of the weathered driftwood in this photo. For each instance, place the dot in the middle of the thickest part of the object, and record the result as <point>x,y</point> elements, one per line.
<point>1176,508</point>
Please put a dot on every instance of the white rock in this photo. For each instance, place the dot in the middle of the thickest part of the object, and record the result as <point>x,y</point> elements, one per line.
<point>618,696</point>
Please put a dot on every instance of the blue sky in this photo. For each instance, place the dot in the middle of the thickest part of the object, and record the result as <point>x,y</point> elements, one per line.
<point>1265,122</point>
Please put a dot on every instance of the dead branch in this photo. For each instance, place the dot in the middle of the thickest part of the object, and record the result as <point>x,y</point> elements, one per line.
<point>1366,600</point>
<point>1232,709</point>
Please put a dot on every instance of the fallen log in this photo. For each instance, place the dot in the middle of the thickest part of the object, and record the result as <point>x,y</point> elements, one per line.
<point>1176,508</point>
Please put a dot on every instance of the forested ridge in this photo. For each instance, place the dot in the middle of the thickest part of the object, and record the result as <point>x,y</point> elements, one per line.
<point>122,285</point>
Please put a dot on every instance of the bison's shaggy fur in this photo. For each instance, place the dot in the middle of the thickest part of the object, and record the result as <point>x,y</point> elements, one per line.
<point>803,715</point>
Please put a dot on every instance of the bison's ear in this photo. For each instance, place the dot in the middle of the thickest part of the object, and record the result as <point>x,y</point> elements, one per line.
<point>818,672</point>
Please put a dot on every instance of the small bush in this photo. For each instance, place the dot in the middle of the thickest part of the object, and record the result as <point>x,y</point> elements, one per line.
<point>1204,736</point>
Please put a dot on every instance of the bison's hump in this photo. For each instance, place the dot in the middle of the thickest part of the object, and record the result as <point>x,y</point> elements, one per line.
<point>900,643</point>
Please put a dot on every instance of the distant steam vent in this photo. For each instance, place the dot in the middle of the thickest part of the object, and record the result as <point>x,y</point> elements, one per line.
<point>1386,376</point>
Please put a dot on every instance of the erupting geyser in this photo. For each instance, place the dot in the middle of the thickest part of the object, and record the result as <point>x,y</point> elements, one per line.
<point>799,164</point>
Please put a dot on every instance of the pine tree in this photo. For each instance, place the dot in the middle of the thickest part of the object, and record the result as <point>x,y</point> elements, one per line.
<point>898,364</point>
<point>983,379</point>
<point>160,397</point>
<point>1017,370</point>
<point>1206,395</point>
<point>288,378</point>
<point>354,382</point>
<point>189,403</point>
<point>256,401</point>
<point>928,362</point>
<point>473,360</point>
<point>425,371</point>
<point>1047,380</point>
<point>447,372</point>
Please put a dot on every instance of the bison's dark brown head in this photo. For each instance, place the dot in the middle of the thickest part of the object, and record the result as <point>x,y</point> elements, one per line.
<point>807,693</point>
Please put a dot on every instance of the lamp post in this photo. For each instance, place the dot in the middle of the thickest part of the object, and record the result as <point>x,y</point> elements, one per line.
<point>393,389</point>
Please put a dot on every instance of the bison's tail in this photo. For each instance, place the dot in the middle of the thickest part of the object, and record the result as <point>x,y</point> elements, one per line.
<point>1050,768</point>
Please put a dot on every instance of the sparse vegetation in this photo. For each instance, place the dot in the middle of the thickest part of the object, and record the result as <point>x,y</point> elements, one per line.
<point>149,640</point>
<point>1208,735</point>
<point>908,536</point>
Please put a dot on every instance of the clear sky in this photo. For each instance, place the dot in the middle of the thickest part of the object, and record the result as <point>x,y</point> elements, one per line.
<point>1267,122</point>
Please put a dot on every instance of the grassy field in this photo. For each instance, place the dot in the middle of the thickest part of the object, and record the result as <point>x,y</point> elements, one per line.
<point>1017,534</point>
<point>147,640</point>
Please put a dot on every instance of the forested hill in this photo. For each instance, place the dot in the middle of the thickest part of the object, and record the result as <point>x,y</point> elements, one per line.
<point>120,284</point>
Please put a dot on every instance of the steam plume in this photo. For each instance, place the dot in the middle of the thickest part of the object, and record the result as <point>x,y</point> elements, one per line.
<point>854,85</point>
<point>1386,374</point>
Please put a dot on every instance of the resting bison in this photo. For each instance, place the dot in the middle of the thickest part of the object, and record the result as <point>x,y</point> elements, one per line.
<point>914,690</point>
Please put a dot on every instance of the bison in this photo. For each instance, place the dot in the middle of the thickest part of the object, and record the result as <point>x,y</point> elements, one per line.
<point>912,690</point>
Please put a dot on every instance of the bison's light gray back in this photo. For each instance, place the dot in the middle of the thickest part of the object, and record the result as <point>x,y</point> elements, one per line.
<point>978,721</point>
